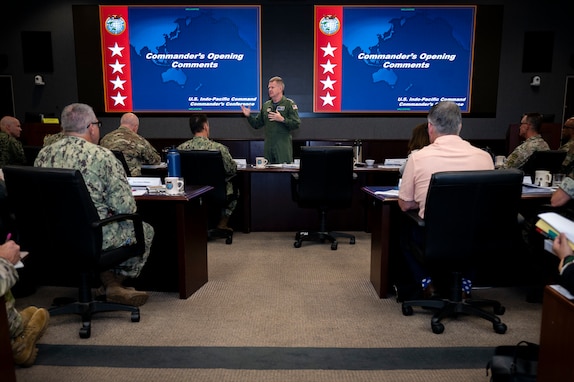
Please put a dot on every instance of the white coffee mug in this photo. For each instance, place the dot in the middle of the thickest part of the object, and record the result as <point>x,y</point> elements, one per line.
<point>543,178</point>
<point>174,185</point>
<point>261,162</point>
<point>499,160</point>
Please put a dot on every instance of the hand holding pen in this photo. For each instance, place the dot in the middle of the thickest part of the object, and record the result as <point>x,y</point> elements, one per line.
<point>10,250</point>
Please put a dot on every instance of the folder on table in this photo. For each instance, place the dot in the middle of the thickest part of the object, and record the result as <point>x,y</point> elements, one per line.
<point>551,224</point>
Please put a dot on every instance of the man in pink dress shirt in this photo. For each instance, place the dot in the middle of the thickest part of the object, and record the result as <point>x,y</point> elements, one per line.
<point>447,152</point>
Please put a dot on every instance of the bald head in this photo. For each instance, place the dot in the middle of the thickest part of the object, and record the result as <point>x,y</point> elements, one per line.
<point>131,121</point>
<point>11,126</point>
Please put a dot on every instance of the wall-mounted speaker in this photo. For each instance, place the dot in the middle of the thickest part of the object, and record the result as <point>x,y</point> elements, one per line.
<point>538,50</point>
<point>37,51</point>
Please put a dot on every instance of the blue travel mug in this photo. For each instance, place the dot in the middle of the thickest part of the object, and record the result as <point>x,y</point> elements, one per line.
<point>173,163</point>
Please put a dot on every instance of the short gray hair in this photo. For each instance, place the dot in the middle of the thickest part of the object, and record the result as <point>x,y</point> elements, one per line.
<point>77,117</point>
<point>445,116</point>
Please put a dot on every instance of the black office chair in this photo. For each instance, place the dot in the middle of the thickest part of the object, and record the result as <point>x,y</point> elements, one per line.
<point>59,225</point>
<point>471,221</point>
<point>205,167</point>
<point>324,182</point>
<point>549,160</point>
<point>121,157</point>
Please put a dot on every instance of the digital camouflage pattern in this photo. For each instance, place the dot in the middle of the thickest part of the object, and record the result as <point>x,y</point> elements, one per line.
<point>277,147</point>
<point>109,190</point>
<point>51,138</point>
<point>9,277</point>
<point>230,166</point>
<point>11,150</point>
<point>136,149</point>
<point>568,165</point>
<point>520,155</point>
<point>568,185</point>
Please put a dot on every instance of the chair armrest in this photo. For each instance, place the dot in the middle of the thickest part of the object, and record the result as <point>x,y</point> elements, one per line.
<point>413,217</point>
<point>135,218</point>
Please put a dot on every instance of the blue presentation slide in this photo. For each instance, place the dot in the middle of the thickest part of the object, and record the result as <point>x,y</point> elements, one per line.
<point>195,58</point>
<point>406,59</point>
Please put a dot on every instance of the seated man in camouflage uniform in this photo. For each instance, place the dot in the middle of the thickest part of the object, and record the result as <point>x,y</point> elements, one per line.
<point>136,149</point>
<point>199,126</point>
<point>11,149</point>
<point>530,125</point>
<point>109,190</point>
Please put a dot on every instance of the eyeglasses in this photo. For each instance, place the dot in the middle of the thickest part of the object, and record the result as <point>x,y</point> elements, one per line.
<point>95,123</point>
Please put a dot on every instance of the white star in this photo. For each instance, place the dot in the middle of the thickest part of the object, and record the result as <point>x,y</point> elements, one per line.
<point>328,50</point>
<point>119,83</point>
<point>117,67</point>
<point>328,67</point>
<point>328,83</point>
<point>328,100</point>
<point>116,50</point>
<point>119,99</point>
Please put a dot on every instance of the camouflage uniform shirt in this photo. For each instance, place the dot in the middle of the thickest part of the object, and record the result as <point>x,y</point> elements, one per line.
<point>136,149</point>
<point>277,147</point>
<point>109,189</point>
<point>568,185</point>
<point>51,138</point>
<point>11,150</point>
<point>520,155</point>
<point>9,277</point>
<point>567,165</point>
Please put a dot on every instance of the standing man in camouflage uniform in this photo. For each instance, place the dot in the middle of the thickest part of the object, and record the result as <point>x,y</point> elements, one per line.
<point>199,126</point>
<point>109,190</point>
<point>11,150</point>
<point>279,117</point>
<point>568,133</point>
<point>136,149</point>
<point>530,125</point>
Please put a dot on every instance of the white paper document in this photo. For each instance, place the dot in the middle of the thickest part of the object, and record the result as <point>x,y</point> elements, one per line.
<point>560,223</point>
<point>563,291</point>
<point>388,193</point>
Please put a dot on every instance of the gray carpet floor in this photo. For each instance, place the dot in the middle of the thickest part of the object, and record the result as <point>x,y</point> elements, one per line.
<point>272,312</point>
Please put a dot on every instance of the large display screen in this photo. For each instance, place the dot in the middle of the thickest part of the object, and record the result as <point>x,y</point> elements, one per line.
<point>181,58</point>
<point>386,59</point>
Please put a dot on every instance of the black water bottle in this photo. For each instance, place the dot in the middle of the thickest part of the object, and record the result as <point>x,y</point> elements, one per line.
<point>173,163</point>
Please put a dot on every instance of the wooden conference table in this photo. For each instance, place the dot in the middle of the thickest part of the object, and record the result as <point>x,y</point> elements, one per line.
<point>178,258</point>
<point>556,333</point>
<point>266,204</point>
<point>384,234</point>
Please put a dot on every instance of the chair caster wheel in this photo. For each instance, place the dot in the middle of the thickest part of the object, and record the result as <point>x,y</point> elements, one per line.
<point>352,241</point>
<point>437,328</point>
<point>297,244</point>
<point>407,310</point>
<point>85,331</point>
<point>135,316</point>
<point>334,246</point>
<point>228,240</point>
<point>499,328</point>
<point>499,310</point>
